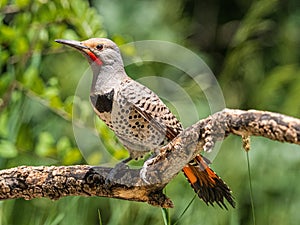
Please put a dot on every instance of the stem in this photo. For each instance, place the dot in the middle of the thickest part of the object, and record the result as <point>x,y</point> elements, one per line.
<point>186,208</point>
<point>250,186</point>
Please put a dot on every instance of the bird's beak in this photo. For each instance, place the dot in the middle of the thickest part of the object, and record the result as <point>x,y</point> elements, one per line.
<point>83,49</point>
<point>75,44</point>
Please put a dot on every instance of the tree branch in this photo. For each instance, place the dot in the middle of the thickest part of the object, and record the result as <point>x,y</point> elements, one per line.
<point>146,184</point>
<point>55,182</point>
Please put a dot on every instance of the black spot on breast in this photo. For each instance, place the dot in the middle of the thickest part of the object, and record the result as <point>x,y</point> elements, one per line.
<point>103,103</point>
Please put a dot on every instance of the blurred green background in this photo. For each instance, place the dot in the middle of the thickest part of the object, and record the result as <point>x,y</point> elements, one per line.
<point>253,48</point>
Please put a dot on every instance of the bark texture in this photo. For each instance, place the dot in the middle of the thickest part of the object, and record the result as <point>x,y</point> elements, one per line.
<point>146,184</point>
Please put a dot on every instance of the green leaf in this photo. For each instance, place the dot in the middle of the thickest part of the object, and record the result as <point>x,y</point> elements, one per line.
<point>63,144</point>
<point>7,149</point>
<point>32,80</point>
<point>7,33</point>
<point>45,146</point>
<point>3,3</point>
<point>72,156</point>
<point>24,139</point>
<point>22,3</point>
<point>20,46</point>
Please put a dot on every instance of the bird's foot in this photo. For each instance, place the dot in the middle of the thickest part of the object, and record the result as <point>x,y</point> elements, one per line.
<point>144,170</point>
<point>117,172</point>
<point>208,139</point>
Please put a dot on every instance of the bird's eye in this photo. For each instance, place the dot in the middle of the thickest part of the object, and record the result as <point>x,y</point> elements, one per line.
<point>99,47</point>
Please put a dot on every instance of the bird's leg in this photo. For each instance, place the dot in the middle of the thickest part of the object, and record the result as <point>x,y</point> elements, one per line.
<point>124,161</point>
<point>117,171</point>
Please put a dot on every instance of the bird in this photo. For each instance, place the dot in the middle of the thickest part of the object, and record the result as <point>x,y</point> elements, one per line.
<point>139,118</point>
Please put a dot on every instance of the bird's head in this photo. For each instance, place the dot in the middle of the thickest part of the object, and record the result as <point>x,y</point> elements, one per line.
<point>98,51</point>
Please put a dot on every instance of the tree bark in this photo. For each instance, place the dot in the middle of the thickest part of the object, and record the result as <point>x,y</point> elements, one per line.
<point>146,184</point>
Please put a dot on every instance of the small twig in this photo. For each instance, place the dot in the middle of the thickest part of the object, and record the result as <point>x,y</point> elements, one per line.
<point>10,9</point>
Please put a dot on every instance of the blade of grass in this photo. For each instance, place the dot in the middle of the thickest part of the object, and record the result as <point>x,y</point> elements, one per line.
<point>99,216</point>
<point>186,208</point>
<point>166,216</point>
<point>250,186</point>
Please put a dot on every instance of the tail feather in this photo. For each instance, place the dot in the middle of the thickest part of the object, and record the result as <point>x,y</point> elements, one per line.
<point>207,184</point>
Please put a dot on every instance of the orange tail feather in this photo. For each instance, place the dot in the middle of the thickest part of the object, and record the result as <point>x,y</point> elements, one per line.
<point>207,184</point>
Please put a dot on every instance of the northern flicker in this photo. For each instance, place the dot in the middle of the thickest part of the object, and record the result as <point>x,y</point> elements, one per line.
<point>139,118</point>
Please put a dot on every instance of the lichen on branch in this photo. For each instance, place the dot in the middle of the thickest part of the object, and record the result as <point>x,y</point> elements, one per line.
<point>146,184</point>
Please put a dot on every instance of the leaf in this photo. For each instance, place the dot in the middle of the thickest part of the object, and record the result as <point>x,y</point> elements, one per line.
<point>22,3</point>
<point>32,80</point>
<point>7,33</point>
<point>72,156</point>
<point>24,139</point>
<point>20,46</point>
<point>45,145</point>
<point>7,149</point>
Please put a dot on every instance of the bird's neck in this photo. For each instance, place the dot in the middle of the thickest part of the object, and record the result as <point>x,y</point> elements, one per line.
<point>107,77</point>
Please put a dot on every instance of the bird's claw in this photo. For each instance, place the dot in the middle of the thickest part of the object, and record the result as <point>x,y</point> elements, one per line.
<point>115,173</point>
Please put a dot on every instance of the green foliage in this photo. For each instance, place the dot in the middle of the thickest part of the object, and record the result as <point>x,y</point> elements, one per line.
<point>27,34</point>
<point>7,149</point>
<point>263,57</point>
<point>254,46</point>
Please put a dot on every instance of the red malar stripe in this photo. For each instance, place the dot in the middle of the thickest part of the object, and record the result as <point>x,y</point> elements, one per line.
<point>95,58</point>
